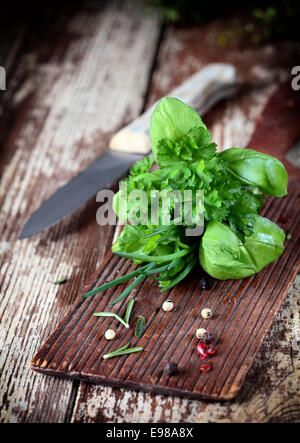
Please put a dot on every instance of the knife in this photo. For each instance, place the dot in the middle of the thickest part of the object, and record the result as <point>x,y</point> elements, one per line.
<point>214,82</point>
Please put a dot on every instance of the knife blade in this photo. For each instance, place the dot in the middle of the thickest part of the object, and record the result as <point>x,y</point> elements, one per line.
<point>214,82</point>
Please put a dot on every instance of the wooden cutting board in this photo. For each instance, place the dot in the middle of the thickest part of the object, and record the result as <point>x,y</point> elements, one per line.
<point>243,310</point>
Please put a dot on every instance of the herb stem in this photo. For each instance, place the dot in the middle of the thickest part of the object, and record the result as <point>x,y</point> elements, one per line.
<point>122,351</point>
<point>111,314</point>
<point>183,245</point>
<point>154,258</point>
<point>157,270</point>
<point>135,283</point>
<point>61,281</point>
<point>128,310</point>
<point>163,228</point>
<point>181,276</point>
<point>116,282</point>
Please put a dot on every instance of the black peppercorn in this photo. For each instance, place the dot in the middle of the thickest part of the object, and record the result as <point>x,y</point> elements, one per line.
<point>206,283</point>
<point>170,368</point>
<point>207,338</point>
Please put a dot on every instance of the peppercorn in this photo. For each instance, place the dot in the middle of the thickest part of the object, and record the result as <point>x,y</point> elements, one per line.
<point>207,338</point>
<point>170,368</point>
<point>110,334</point>
<point>206,313</point>
<point>167,305</point>
<point>206,283</point>
<point>200,333</point>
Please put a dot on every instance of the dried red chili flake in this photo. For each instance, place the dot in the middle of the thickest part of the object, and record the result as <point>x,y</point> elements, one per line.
<point>205,350</point>
<point>205,368</point>
<point>202,351</point>
<point>211,352</point>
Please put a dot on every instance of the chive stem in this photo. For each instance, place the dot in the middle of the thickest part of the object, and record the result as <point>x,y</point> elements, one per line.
<point>154,258</point>
<point>156,270</point>
<point>135,283</point>
<point>181,276</point>
<point>116,282</point>
<point>163,228</point>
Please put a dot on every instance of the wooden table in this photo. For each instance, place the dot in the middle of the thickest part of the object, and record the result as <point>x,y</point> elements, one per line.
<point>74,76</point>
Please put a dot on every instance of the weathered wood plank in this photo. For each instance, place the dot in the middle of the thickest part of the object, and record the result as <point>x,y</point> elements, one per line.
<point>231,123</point>
<point>260,70</point>
<point>85,78</point>
<point>52,396</point>
<point>243,312</point>
<point>269,393</point>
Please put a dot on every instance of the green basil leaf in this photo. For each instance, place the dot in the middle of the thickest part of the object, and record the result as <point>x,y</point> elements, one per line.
<point>224,256</point>
<point>256,169</point>
<point>264,245</point>
<point>171,120</point>
<point>219,253</point>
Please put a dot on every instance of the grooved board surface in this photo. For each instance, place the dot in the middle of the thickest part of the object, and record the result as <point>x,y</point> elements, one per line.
<point>243,311</point>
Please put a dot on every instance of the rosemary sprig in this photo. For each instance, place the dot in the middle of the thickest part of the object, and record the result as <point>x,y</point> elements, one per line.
<point>122,351</point>
<point>61,281</point>
<point>111,314</point>
<point>140,327</point>
<point>128,310</point>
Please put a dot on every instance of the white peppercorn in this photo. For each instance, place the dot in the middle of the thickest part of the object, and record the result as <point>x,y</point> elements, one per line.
<point>206,313</point>
<point>200,332</point>
<point>110,334</point>
<point>167,306</point>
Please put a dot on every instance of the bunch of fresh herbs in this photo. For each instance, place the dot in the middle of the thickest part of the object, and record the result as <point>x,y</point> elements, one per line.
<point>237,242</point>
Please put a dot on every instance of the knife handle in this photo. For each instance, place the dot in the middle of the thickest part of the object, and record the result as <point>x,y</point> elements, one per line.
<point>214,82</point>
